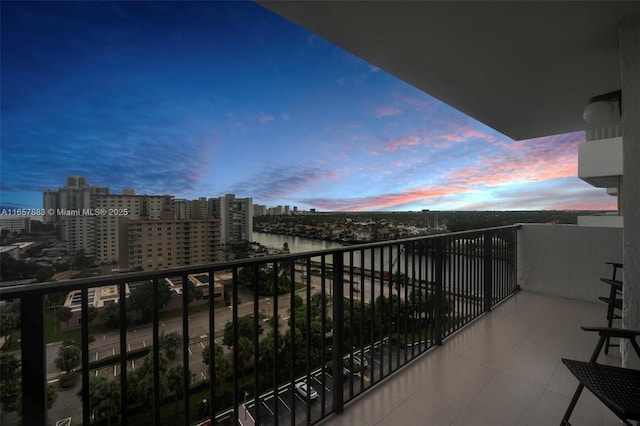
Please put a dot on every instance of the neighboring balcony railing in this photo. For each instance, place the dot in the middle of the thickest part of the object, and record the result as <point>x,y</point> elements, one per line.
<point>309,332</point>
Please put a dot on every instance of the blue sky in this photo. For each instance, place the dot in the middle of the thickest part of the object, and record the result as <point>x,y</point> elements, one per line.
<point>207,98</point>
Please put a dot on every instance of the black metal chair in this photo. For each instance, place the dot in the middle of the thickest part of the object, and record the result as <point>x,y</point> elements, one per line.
<point>614,301</point>
<point>618,388</point>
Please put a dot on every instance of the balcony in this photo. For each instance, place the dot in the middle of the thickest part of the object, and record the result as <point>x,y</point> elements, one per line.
<point>448,303</point>
<point>504,369</point>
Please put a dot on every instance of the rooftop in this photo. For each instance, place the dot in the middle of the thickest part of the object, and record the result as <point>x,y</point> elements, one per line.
<point>503,369</point>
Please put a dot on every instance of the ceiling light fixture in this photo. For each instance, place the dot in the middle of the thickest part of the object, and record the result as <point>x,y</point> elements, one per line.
<point>604,109</point>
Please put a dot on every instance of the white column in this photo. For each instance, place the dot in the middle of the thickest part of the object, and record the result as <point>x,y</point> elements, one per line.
<point>630,75</point>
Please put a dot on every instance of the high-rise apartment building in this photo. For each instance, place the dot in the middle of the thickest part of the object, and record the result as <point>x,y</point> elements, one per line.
<point>15,225</point>
<point>236,219</point>
<point>65,207</point>
<point>260,210</point>
<point>87,216</point>
<point>194,209</point>
<point>110,208</point>
<point>146,231</point>
<point>155,244</point>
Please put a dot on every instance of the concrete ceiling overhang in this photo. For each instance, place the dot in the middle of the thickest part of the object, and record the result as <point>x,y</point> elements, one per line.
<point>524,68</point>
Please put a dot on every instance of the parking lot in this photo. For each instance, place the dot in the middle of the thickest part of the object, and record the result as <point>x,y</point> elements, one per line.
<point>381,360</point>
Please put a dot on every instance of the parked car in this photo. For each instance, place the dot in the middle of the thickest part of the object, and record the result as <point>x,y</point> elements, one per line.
<point>303,388</point>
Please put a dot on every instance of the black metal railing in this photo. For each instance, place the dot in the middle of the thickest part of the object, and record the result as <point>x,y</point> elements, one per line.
<point>309,332</point>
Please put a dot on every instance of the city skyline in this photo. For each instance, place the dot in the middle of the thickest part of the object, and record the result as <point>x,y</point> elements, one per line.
<point>208,98</point>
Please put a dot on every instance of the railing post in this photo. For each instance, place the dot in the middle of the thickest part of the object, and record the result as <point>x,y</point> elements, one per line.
<point>338,328</point>
<point>487,254</point>
<point>438,296</point>
<point>34,360</point>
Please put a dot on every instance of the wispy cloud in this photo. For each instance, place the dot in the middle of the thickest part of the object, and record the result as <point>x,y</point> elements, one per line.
<point>574,195</point>
<point>265,118</point>
<point>121,145</point>
<point>273,183</point>
<point>531,160</point>
<point>381,202</point>
<point>386,111</point>
<point>403,142</point>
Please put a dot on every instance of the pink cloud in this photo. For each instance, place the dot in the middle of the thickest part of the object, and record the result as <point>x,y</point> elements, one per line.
<point>403,142</point>
<point>423,103</point>
<point>531,160</point>
<point>387,111</point>
<point>465,133</point>
<point>384,201</point>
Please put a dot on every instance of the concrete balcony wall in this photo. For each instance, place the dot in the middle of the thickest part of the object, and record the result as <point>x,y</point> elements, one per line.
<point>567,260</point>
<point>601,220</point>
<point>600,162</point>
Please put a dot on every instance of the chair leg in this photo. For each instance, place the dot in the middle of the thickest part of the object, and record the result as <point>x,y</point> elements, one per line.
<point>572,405</point>
<point>610,315</point>
<point>607,344</point>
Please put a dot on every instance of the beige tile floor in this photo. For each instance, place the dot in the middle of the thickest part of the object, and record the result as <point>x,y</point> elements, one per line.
<point>504,369</point>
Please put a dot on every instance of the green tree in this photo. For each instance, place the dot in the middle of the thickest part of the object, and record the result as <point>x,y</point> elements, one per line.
<point>64,314</point>
<point>141,300</point>
<point>175,382</point>
<point>104,396</point>
<point>111,315</point>
<point>223,368</point>
<point>266,357</point>
<point>193,293</point>
<point>68,356</point>
<point>246,329</point>
<point>140,389</point>
<point>10,382</point>
<point>92,314</point>
<point>52,396</point>
<point>13,269</point>
<point>170,342</point>
<point>245,352</point>
<point>11,388</point>
<point>8,324</point>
